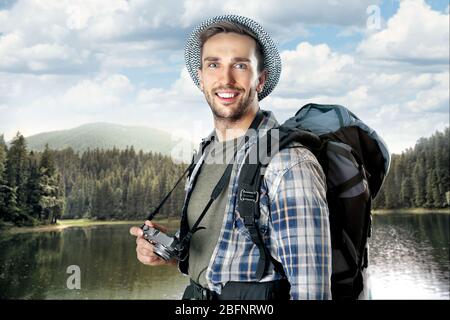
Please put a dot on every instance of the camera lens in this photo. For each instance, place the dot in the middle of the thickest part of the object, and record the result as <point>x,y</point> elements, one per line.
<point>162,252</point>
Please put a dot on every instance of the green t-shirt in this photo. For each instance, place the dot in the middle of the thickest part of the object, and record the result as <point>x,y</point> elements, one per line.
<point>204,241</point>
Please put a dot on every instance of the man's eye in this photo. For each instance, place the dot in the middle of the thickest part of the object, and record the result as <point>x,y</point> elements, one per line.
<point>241,66</point>
<point>212,65</point>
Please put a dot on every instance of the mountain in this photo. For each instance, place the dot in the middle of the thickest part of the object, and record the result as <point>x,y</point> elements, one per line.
<point>106,136</point>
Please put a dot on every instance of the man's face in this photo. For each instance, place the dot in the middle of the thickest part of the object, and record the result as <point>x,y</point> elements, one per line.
<point>229,77</point>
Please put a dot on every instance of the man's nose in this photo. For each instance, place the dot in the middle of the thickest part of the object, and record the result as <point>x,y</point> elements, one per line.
<point>227,76</point>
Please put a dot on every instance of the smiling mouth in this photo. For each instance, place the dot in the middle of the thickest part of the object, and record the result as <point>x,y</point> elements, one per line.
<point>227,96</point>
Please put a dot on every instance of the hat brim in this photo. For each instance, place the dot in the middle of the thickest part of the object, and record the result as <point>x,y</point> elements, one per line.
<point>272,61</point>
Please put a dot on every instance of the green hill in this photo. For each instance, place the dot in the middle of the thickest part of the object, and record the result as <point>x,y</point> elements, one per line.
<point>106,136</point>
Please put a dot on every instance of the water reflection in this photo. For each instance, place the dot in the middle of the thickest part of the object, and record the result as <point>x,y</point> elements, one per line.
<point>410,257</point>
<point>409,260</point>
<point>33,266</point>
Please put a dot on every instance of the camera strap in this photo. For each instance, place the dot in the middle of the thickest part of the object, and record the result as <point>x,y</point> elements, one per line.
<point>223,181</point>
<point>154,212</point>
<point>195,159</point>
<point>220,186</point>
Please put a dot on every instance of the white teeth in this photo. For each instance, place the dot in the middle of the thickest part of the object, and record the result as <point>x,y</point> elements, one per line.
<point>226,95</point>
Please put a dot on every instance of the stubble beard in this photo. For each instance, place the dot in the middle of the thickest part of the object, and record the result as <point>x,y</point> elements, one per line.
<point>232,114</point>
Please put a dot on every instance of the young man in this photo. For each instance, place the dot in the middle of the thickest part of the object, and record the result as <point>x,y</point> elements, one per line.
<point>235,64</point>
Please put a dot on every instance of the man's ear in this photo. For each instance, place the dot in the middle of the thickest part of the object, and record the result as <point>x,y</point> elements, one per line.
<point>200,79</point>
<point>261,80</point>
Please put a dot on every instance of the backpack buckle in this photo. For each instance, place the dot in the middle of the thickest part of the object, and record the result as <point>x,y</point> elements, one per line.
<point>245,195</point>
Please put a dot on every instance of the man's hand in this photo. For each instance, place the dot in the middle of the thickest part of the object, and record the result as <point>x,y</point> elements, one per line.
<point>144,249</point>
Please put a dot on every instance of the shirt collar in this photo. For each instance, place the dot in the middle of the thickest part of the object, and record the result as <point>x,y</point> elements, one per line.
<point>269,121</point>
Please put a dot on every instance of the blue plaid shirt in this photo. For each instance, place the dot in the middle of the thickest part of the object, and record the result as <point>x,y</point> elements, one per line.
<point>294,224</point>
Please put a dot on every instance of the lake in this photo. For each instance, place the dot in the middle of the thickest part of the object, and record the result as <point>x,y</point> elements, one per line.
<point>409,256</point>
<point>409,259</point>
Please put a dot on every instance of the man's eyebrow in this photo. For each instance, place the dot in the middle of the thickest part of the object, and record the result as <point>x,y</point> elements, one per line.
<point>240,59</point>
<point>211,59</point>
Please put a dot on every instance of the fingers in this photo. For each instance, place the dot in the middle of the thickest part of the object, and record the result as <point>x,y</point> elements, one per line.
<point>145,253</point>
<point>146,256</point>
<point>156,225</point>
<point>144,249</point>
<point>136,231</point>
<point>151,260</point>
<point>142,243</point>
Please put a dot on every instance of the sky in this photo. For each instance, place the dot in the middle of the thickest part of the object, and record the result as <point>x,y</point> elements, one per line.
<point>68,63</point>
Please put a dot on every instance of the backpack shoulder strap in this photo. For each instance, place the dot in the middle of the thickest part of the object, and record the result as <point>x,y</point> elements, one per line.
<point>249,185</point>
<point>248,203</point>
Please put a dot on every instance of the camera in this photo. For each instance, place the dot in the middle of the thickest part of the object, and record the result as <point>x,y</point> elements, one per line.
<point>165,247</point>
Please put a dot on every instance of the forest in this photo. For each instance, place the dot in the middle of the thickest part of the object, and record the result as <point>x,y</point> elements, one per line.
<point>419,176</point>
<point>42,187</point>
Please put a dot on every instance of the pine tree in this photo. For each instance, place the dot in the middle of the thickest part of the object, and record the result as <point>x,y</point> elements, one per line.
<point>48,161</point>
<point>390,187</point>
<point>50,202</point>
<point>406,193</point>
<point>9,210</point>
<point>12,211</point>
<point>61,196</point>
<point>33,188</point>
<point>3,186</point>
<point>380,200</point>
<point>52,195</point>
<point>103,201</point>
<point>117,204</point>
<point>419,183</point>
<point>420,176</point>
<point>16,171</point>
<point>431,189</point>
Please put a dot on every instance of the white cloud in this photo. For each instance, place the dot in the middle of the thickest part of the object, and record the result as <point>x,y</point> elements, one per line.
<point>401,104</point>
<point>65,63</point>
<point>9,43</point>
<point>289,12</point>
<point>18,56</point>
<point>42,103</point>
<point>52,103</point>
<point>182,92</point>
<point>402,129</point>
<point>415,34</point>
<point>311,69</point>
<point>101,93</point>
<point>180,109</point>
<point>434,99</point>
<point>85,36</point>
<point>92,35</point>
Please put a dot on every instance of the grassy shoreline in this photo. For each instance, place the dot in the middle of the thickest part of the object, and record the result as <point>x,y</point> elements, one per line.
<point>63,224</point>
<point>172,223</point>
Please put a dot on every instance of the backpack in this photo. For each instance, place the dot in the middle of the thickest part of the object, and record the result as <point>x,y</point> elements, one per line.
<point>355,161</point>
